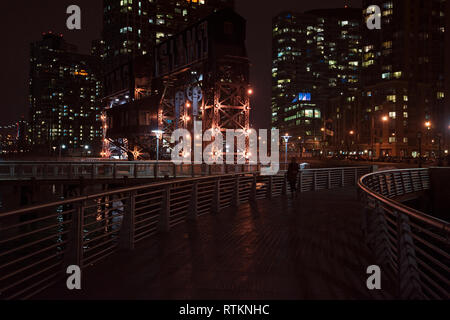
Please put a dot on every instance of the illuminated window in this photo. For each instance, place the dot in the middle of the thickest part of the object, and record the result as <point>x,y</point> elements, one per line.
<point>387,44</point>
<point>309,113</point>
<point>391,98</point>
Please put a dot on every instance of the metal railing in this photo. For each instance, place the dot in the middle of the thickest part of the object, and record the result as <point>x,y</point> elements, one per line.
<point>413,246</point>
<point>48,170</point>
<point>38,243</point>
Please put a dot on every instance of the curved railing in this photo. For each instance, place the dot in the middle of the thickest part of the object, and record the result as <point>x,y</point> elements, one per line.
<point>413,246</point>
<point>37,243</point>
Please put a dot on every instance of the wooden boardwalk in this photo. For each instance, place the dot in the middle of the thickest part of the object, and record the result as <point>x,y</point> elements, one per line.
<point>307,248</point>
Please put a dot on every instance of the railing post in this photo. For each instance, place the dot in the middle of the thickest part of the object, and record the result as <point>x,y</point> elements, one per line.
<point>343,177</point>
<point>315,181</point>
<point>284,187</point>
<point>126,235</point>
<point>216,197</point>
<point>301,182</point>
<point>253,190</point>
<point>115,171</point>
<point>73,252</point>
<point>377,235</point>
<point>408,270</point>
<point>164,222</point>
<point>270,188</point>
<point>135,170</point>
<point>174,167</point>
<point>12,170</point>
<point>34,171</point>
<point>356,176</point>
<point>329,180</point>
<point>236,200</point>
<point>193,206</point>
<point>44,171</point>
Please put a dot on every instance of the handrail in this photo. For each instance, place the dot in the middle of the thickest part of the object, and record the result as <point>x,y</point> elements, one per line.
<point>412,244</point>
<point>38,242</point>
<point>106,170</point>
<point>124,162</point>
<point>436,222</point>
<point>112,192</point>
<point>145,186</point>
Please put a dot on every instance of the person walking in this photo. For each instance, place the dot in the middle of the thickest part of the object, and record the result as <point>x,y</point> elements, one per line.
<point>291,175</point>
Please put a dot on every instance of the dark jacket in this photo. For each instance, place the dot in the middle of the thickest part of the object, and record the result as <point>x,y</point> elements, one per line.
<point>292,171</point>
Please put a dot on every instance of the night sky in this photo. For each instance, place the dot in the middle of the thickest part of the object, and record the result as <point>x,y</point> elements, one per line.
<point>24,21</point>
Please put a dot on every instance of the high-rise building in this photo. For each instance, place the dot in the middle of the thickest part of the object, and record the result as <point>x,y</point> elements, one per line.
<point>65,89</point>
<point>315,56</point>
<point>403,107</point>
<point>131,28</point>
<point>98,49</point>
<point>8,139</point>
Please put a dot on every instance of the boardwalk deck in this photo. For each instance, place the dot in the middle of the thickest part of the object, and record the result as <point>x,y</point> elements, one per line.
<point>307,248</point>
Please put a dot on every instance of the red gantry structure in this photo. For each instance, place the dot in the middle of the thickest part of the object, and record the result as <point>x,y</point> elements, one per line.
<point>199,74</point>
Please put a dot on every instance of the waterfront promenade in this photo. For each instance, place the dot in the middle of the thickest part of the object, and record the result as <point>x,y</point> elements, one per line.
<point>311,247</point>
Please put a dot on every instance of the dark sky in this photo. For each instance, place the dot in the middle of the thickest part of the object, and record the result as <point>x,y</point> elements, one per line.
<point>23,22</point>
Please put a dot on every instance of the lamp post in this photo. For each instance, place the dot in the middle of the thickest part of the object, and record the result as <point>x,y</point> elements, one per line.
<point>372,137</point>
<point>322,149</point>
<point>439,136</point>
<point>60,148</point>
<point>300,147</point>
<point>372,134</point>
<point>286,138</point>
<point>350,145</point>
<point>159,134</point>
<point>419,138</point>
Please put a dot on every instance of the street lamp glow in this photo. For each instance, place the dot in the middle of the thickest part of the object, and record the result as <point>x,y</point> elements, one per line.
<point>352,132</point>
<point>286,138</point>
<point>159,134</point>
<point>250,92</point>
<point>428,124</point>
<point>385,118</point>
